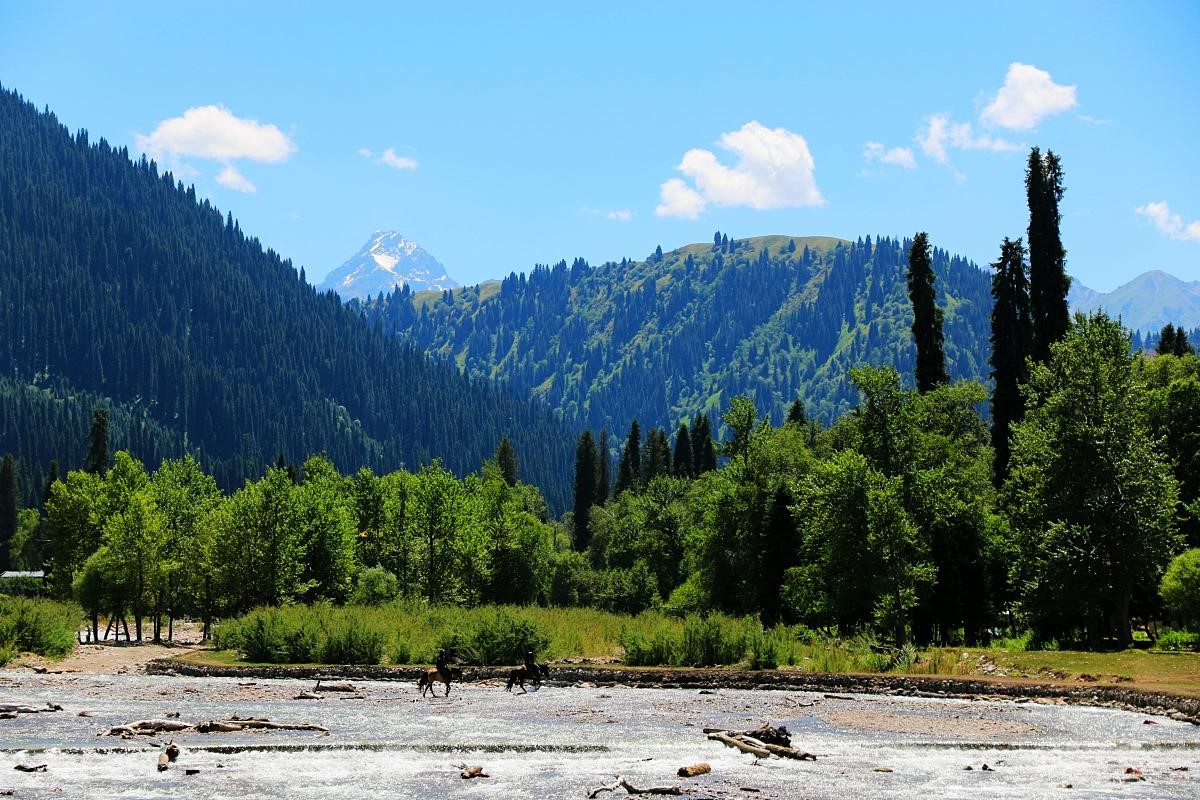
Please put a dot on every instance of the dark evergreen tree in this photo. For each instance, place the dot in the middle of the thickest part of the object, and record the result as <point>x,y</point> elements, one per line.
<point>603,469</point>
<point>506,459</point>
<point>796,414</point>
<point>704,455</point>
<point>1012,343</point>
<point>585,489</point>
<point>52,477</point>
<point>682,462</point>
<point>927,317</point>
<point>8,507</point>
<point>629,473</point>
<point>1048,281</point>
<point>779,543</point>
<point>1173,341</point>
<point>656,458</point>
<point>97,455</point>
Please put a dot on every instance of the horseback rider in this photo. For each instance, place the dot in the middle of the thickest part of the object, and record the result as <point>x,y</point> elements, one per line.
<point>531,667</point>
<point>442,665</point>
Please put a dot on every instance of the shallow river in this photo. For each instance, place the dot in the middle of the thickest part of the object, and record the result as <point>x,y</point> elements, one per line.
<point>560,742</point>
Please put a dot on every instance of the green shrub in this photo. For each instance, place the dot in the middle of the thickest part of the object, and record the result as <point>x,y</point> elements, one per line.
<point>502,639</point>
<point>45,627</point>
<point>376,586</point>
<point>353,642</point>
<point>1178,640</point>
<point>1180,589</point>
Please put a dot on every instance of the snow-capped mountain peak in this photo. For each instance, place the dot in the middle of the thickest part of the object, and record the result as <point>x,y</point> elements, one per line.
<point>386,261</point>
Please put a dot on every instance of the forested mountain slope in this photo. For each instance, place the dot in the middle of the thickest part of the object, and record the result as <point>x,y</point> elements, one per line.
<point>118,286</point>
<point>659,340</point>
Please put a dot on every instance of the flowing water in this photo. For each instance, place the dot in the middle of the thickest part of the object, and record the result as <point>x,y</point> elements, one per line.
<point>560,742</point>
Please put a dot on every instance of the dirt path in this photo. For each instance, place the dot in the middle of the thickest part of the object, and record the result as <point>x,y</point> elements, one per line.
<point>110,658</point>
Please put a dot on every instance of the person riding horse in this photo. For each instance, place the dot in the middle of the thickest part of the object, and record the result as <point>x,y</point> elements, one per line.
<point>531,667</point>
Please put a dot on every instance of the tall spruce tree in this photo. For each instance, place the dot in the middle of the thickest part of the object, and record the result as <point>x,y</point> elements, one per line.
<point>603,469</point>
<point>682,464</point>
<point>796,414</point>
<point>97,455</point>
<point>1012,343</point>
<point>629,473</point>
<point>52,477</point>
<point>585,489</point>
<point>656,458</point>
<point>8,507</point>
<point>704,455</point>
<point>927,317</point>
<point>506,459</point>
<point>1048,281</point>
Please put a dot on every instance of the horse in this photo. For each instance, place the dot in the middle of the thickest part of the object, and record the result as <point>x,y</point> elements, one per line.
<point>438,675</point>
<point>516,677</point>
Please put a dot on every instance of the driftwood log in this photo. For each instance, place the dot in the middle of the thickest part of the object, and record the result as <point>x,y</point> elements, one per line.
<point>27,768</point>
<point>150,727</point>
<point>621,783</point>
<point>762,742</point>
<point>475,771</point>
<point>694,770</point>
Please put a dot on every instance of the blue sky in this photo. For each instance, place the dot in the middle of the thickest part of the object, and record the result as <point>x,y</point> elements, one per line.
<point>503,135</point>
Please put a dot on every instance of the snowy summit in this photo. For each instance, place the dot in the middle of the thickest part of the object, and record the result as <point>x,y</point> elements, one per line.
<point>384,263</point>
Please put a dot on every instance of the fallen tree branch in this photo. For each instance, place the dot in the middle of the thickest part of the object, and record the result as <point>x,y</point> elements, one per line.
<point>621,783</point>
<point>745,747</point>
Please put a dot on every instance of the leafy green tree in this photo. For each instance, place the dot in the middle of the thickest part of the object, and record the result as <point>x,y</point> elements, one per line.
<point>1092,499</point>
<point>26,550</point>
<point>73,528</point>
<point>257,549</point>
<point>629,473</point>
<point>323,510</point>
<point>184,497</point>
<point>1012,343</point>
<point>437,494</point>
<point>741,419</point>
<point>1180,588</point>
<point>97,455</point>
<point>585,489</point>
<point>927,317</point>
<point>506,457</point>
<point>1048,281</point>
<point>134,538</point>
<point>8,508</point>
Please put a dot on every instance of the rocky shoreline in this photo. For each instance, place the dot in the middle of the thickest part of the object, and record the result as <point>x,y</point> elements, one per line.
<point>1183,709</point>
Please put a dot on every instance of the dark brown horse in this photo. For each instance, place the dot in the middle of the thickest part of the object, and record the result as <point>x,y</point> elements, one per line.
<point>438,675</point>
<point>518,676</point>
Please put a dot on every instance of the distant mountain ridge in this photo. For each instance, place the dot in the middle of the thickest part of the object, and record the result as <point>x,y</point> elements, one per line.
<point>682,332</point>
<point>1146,303</point>
<point>387,261</point>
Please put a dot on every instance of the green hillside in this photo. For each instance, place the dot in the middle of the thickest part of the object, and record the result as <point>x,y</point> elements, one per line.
<point>776,317</point>
<point>119,287</point>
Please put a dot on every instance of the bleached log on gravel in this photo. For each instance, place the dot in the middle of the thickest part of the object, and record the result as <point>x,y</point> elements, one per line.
<point>621,783</point>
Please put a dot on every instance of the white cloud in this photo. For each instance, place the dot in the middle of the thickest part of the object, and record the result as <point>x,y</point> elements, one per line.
<point>620,214</point>
<point>678,200</point>
<point>898,156</point>
<point>1168,223</point>
<point>774,170</point>
<point>214,132</point>
<point>230,178</point>
<point>389,158</point>
<point>942,134</point>
<point>1027,97</point>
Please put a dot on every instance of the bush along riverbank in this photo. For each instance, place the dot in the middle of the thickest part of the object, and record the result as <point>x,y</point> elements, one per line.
<point>34,625</point>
